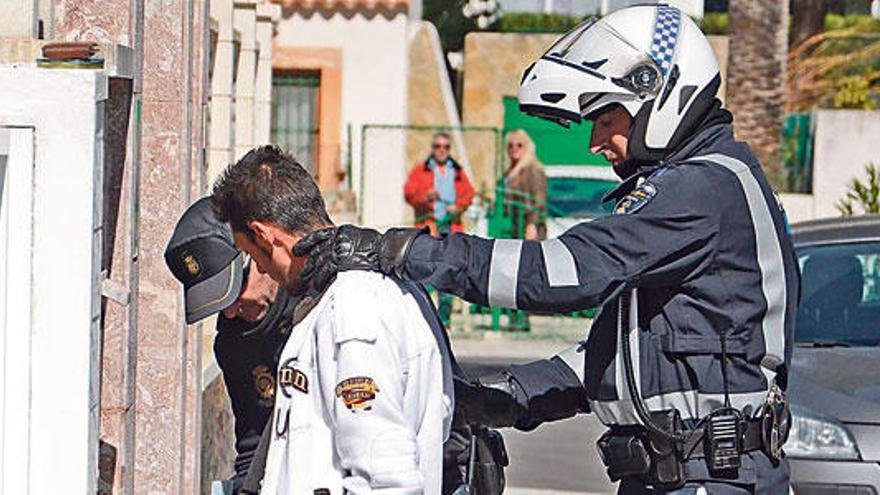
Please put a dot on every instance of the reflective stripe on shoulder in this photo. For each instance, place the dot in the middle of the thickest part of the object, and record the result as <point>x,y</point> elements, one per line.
<point>561,270</point>
<point>503,272</point>
<point>770,258</point>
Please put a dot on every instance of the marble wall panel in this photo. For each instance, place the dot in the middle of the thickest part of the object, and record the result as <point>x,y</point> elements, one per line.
<point>104,21</point>
<point>168,414</point>
<point>164,40</point>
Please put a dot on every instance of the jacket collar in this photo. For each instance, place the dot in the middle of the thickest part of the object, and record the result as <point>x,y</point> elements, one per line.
<point>449,161</point>
<point>707,138</point>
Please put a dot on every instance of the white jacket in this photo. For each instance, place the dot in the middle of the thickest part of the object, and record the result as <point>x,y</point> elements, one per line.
<point>364,400</point>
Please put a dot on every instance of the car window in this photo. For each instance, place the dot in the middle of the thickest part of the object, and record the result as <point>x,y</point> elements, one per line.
<point>578,197</point>
<point>840,294</point>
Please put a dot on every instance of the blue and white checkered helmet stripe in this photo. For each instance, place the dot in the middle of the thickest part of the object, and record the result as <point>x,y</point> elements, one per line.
<point>665,37</point>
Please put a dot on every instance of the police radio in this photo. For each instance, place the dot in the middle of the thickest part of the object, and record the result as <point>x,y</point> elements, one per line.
<point>723,440</point>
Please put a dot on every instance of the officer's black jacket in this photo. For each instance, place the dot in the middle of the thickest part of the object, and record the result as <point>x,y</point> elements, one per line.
<point>247,354</point>
<point>704,241</point>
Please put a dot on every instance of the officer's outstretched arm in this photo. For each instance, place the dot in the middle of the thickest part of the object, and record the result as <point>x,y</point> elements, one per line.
<point>524,396</point>
<point>659,237</point>
<point>665,235</point>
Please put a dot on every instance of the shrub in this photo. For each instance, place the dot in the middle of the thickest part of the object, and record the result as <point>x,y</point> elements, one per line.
<point>715,23</point>
<point>862,195</point>
<point>536,22</point>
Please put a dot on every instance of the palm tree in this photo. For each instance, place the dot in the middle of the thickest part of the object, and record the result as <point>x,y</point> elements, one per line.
<point>756,77</point>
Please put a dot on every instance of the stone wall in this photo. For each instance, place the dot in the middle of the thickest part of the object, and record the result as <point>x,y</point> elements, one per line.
<point>218,434</point>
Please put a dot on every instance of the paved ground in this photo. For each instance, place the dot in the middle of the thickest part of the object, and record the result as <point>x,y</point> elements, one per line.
<point>557,458</point>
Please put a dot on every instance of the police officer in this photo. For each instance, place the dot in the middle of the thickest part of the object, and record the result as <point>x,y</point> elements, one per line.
<point>254,320</point>
<point>694,273</point>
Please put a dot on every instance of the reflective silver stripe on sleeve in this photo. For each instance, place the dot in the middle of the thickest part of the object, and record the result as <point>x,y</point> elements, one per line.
<point>503,272</point>
<point>574,358</point>
<point>690,404</point>
<point>769,256</point>
<point>561,270</point>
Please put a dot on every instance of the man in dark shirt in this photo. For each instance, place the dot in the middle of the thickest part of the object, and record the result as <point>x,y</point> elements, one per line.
<point>254,319</point>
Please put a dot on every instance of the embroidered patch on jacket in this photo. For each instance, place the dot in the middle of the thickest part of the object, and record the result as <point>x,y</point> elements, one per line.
<point>639,197</point>
<point>290,378</point>
<point>357,392</point>
<point>264,383</point>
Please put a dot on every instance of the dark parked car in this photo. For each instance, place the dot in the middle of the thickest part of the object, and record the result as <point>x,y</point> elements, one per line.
<point>834,446</point>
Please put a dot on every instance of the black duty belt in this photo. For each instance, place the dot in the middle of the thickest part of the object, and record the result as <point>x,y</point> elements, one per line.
<point>752,439</point>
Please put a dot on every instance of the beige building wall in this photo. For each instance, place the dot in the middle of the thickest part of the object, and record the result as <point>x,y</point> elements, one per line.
<point>431,101</point>
<point>493,64</point>
<point>372,73</point>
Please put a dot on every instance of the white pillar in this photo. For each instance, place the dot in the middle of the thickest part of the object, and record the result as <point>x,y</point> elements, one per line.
<point>245,18</point>
<point>50,406</point>
<point>220,134</point>
<point>267,15</point>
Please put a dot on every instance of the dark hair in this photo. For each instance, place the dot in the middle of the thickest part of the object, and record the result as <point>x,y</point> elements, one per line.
<point>268,185</point>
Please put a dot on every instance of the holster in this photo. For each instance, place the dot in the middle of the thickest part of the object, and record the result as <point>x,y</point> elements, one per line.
<point>634,451</point>
<point>490,459</point>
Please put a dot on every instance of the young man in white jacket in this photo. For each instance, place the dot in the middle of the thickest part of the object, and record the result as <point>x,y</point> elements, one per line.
<point>364,398</point>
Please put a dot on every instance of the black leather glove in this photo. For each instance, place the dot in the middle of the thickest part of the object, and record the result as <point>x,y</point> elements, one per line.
<point>493,400</point>
<point>348,247</point>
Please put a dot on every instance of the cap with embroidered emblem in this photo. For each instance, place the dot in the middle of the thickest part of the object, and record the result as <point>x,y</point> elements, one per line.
<point>202,256</point>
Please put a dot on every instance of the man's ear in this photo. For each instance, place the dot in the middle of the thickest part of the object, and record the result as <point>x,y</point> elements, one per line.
<point>264,236</point>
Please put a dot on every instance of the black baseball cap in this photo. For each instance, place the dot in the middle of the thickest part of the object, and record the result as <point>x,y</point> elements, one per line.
<point>202,256</point>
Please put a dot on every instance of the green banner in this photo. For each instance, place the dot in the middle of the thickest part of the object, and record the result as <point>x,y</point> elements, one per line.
<point>555,145</point>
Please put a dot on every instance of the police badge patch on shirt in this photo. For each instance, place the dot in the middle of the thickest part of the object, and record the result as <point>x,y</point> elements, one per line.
<point>635,200</point>
<point>357,393</point>
<point>264,383</point>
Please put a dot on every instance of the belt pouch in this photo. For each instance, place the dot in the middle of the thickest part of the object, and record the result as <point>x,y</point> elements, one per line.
<point>624,454</point>
<point>667,466</point>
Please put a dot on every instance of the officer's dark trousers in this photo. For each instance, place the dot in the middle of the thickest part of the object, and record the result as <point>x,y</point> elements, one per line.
<point>769,480</point>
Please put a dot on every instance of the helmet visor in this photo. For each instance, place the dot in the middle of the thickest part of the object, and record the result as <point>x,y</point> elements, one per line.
<point>597,49</point>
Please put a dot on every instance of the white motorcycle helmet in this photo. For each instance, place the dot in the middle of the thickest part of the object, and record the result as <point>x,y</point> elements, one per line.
<point>651,59</point>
